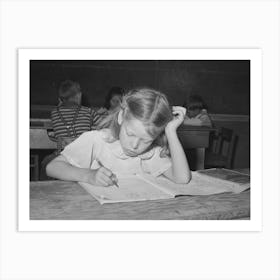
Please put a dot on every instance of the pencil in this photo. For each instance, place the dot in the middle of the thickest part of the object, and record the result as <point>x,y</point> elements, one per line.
<point>113,177</point>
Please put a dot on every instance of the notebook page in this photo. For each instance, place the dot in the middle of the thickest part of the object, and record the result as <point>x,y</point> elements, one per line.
<point>201,185</point>
<point>131,188</point>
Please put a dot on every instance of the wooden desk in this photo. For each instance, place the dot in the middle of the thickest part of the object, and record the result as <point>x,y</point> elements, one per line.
<point>40,140</point>
<point>197,138</point>
<point>38,135</point>
<point>61,200</point>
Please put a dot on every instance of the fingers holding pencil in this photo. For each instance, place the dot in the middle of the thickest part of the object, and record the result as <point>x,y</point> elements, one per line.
<point>115,180</point>
<point>107,176</point>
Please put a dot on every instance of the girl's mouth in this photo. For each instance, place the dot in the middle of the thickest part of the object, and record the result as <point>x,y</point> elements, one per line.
<point>130,153</point>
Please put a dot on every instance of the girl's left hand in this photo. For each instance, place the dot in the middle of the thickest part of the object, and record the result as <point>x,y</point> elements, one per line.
<point>179,114</point>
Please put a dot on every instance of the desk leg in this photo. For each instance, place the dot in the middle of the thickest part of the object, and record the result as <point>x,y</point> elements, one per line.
<point>200,157</point>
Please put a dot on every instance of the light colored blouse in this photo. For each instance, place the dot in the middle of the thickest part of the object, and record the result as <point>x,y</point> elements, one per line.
<point>93,145</point>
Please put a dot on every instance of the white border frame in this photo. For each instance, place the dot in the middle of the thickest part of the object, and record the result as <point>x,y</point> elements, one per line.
<point>24,57</point>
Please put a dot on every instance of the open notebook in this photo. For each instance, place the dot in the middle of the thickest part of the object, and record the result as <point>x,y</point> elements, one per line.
<point>145,187</point>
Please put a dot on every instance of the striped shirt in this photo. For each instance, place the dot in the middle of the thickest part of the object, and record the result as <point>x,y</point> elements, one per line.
<point>71,121</point>
<point>99,116</point>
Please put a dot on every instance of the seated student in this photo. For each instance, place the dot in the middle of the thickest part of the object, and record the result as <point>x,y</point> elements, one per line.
<point>113,99</point>
<point>139,137</point>
<point>196,112</point>
<point>69,118</point>
<point>112,102</point>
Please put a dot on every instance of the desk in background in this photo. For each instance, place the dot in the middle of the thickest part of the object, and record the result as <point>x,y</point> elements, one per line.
<point>191,137</point>
<point>196,138</point>
<point>38,134</point>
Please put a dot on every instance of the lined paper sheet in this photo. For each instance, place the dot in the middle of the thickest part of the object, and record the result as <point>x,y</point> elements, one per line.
<point>131,188</point>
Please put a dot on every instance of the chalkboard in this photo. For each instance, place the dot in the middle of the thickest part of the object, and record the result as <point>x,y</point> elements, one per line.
<point>224,85</point>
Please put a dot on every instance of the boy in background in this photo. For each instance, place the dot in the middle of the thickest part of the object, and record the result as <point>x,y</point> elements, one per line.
<point>69,119</point>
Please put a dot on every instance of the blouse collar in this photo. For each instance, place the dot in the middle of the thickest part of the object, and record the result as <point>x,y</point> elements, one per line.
<point>119,153</point>
<point>117,150</point>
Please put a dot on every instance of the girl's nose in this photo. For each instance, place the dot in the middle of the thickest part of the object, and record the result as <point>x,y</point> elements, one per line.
<point>135,143</point>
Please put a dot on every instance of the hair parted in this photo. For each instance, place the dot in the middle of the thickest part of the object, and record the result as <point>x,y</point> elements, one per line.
<point>147,105</point>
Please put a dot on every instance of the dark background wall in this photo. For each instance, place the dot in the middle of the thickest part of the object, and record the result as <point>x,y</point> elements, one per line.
<point>224,85</point>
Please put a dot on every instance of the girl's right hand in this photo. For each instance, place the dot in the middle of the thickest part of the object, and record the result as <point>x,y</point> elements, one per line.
<point>100,177</point>
<point>179,114</point>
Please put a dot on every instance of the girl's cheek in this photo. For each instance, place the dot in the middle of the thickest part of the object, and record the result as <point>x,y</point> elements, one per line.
<point>145,146</point>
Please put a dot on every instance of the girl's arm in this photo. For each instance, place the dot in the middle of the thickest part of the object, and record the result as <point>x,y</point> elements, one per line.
<point>179,172</point>
<point>61,169</point>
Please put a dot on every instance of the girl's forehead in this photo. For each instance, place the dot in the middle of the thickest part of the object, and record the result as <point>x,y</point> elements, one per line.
<point>137,128</point>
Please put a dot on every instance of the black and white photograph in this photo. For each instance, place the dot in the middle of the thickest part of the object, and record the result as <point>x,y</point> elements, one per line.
<point>140,139</point>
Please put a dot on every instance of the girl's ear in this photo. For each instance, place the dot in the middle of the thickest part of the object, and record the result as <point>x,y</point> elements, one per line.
<point>120,117</point>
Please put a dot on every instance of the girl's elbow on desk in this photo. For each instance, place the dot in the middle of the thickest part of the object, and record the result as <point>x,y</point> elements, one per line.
<point>50,168</point>
<point>183,180</point>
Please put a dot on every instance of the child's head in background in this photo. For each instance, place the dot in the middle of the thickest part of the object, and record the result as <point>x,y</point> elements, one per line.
<point>114,98</point>
<point>194,105</point>
<point>69,93</point>
<point>141,120</point>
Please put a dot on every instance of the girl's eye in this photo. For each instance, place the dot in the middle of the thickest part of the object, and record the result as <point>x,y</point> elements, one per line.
<point>147,141</point>
<point>129,133</point>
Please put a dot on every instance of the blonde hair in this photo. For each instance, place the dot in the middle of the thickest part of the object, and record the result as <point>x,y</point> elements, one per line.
<point>149,106</point>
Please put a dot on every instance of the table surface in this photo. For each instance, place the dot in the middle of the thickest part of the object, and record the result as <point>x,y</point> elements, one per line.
<point>61,200</point>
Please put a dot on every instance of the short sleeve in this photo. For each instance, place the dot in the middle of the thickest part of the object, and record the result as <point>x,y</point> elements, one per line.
<point>158,164</point>
<point>81,152</point>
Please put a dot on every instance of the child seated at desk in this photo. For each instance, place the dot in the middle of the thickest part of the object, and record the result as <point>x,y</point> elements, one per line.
<point>140,137</point>
<point>69,119</point>
<point>196,112</point>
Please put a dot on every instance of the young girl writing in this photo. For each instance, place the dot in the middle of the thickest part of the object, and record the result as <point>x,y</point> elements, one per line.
<point>140,137</point>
